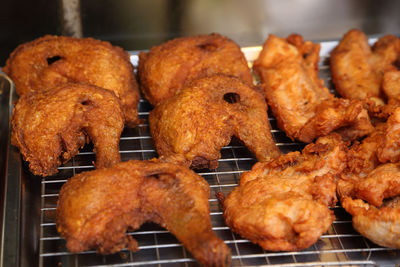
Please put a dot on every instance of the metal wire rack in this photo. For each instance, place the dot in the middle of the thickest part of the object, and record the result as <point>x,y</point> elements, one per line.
<point>341,245</point>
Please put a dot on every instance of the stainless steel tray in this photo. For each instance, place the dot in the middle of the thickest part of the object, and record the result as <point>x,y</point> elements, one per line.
<point>29,236</point>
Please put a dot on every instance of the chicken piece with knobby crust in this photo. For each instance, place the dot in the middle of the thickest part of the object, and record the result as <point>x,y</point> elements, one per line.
<point>191,127</point>
<point>51,61</point>
<point>379,224</point>
<point>284,204</point>
<point>303,107</point>
<point>171,66</point>
<point>374,205</point>
<point>50,126</point>
<point>96,208</point>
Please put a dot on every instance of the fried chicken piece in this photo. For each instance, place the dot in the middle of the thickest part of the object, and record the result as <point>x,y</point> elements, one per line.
<point>389,148</point>
<point>167,68</point>
<point>303,107</point>
<point>95,209</point>
<point>377,220</point>
<point>50,61</point>
<point>380,225</point>
<point>357,69</point>
<point>367,179</point>
<point>191,127</point>
<point>50,126</point>
<point>284,204</point>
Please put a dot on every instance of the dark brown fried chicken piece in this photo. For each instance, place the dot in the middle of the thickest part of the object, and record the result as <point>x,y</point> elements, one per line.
<point>358,70</point>
<point>284,204</point>
<point>51,61</point>
<point>50,126</point>
<point>167,68</point>
<point>192,126</point>
<point>95,209</point>
<point>303,107</point>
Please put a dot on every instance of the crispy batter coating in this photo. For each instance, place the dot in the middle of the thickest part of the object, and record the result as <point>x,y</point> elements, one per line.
<point>95,209</point>
<point>378,219</point>
<point>173,65</point>
<point>380,225</point>
<point>284,204</point>
<point>50,126</point>
<point>389,148</point>
<point>192,126</point>
<point>50,61</point>
<point>358,69</point>
<point>303,107</point>
<point>369,190</point>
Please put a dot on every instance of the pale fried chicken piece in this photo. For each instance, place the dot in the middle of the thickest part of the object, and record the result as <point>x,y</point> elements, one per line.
<point>380,225</point>
<point>95,209</point>
<point>171,66</point>
<point>357,69</point>
<point>51,61</point>
<point>192,126</point>
<point>50,126</point>
<point>303,107</point>
<point>284,204</point>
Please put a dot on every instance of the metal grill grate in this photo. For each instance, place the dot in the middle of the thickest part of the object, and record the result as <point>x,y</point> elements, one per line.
<point>340,246</point>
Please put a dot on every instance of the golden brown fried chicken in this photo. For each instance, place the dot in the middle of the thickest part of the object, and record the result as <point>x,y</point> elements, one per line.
<point>192,126</point>
<point>50,61</point>
<point>378,219</point>
<point>358,70</point>
<point>173,65</point>
<point>50,126</point>
<point>95,209</point>
<point>368,190</point>
<point>284,204</point>
<point>303,107</point>
<point>380,225</point>
<point>389,148</point>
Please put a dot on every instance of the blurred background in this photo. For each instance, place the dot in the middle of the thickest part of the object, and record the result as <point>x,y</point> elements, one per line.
<point>140,24</point>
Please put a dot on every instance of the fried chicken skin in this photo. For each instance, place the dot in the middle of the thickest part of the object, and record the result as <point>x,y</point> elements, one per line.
<point>303,107</point>
<point>374,205</point>
<point>192,126</point>
<point>284,204</point>
<point>368,190</point>
<point>50,126</point>
<point>169,67</point>
<point>50,61</point>
<point>358,69</point>
<point>96,208</point>
<point>380,225</point>
<point>389,148</point>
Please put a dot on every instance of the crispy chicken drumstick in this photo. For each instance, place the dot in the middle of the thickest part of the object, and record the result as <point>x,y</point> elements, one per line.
<point>50,126</point>
<point>95,209</point>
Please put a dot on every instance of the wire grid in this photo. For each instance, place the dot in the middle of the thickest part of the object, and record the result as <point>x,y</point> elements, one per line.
<point>341,245</point>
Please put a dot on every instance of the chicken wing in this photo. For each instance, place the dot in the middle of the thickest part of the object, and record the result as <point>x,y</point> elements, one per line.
<point>167,68</point>
<point>50,61</point>
<point>303,107</point>
<point>284,204</point>
<point>95,209</point>
<point>50,126</point>
<point>192,126</point>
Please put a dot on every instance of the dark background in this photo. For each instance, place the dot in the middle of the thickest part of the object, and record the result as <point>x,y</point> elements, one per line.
<point>139,24</point>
